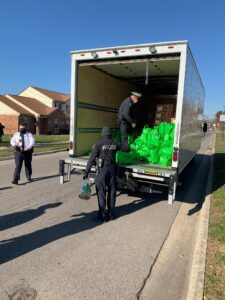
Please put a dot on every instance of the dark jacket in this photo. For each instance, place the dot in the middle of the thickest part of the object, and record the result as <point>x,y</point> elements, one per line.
<point>105,149</point>
<point>205,127</point>
<point>124,111</point>
<point>1,129</point>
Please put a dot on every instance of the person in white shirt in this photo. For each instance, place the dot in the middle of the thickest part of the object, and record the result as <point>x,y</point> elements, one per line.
<point>23,143</point>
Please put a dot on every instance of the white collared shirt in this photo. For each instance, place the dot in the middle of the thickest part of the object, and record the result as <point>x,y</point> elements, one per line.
<point>29,140</point>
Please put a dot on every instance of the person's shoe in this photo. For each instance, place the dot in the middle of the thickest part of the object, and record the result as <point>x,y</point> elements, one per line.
<point>101,218</point>
<point>112,217</point>
<point>15,182</point>
<point>29,179</point>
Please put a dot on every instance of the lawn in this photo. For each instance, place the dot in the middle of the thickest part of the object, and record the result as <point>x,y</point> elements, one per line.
<point>6,150</point>
<point>41,138</point>
<point>215,263</point>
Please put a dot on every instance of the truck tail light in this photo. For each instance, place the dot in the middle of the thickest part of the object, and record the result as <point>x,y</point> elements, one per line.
<point>175,154</point>
<point>71,145</point>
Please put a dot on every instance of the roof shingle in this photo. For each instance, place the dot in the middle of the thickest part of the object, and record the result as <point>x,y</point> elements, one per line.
<point>14,106</point>
<point>53,95</point>
<point>37,106</point>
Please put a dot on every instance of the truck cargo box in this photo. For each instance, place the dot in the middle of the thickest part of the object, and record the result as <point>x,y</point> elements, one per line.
<point>172,91</point>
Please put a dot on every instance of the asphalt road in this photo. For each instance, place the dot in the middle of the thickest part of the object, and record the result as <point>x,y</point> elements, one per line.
<point>52,247</point>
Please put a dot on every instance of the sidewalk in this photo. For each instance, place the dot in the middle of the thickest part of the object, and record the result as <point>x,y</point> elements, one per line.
<point>180,267</point>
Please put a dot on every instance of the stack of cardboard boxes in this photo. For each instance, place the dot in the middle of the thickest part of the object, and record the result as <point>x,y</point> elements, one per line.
<point>165,113</point>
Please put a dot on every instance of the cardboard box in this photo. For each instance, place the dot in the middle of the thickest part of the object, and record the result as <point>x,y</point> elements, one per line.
<point>164,113</point>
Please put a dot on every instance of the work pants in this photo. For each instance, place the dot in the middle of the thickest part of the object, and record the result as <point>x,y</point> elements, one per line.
<point>124,132</point>
<point>106,184</point>
<point>25,156</point>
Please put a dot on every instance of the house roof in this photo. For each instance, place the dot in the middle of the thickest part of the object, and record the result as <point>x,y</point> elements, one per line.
<point>14,106</point>
<point>53,95</point>
<point>37,106</point>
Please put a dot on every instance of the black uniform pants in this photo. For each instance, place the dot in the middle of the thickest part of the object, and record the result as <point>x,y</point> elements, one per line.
<point>106,183</point>
<point>124,132</point>
<point>25,156</point>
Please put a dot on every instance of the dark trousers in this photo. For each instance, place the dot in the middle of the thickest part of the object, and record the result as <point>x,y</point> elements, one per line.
<point>106,184</point>
<point>124,132</point>
<point>25,156</point>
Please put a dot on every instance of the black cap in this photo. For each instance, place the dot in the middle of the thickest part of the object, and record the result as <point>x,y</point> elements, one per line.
<point>106,131</point>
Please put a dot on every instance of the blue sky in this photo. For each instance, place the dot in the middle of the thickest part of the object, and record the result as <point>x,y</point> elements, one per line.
<point>36,38</point>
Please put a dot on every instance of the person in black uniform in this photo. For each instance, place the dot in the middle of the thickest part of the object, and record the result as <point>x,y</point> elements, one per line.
<point>125,120</point>
<point>22,143</point>
<point>105,151</point>
<point>1,131</point>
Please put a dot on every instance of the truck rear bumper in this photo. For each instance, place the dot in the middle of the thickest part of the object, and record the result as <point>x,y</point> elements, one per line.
<point>141,177</point>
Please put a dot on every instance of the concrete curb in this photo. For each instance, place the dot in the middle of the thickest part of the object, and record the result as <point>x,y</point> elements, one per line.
<point>34,154</point>
<point>197,276</point>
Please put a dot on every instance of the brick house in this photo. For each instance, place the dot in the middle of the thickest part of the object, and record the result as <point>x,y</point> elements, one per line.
<point>47,120</point>
<point>11,114</point>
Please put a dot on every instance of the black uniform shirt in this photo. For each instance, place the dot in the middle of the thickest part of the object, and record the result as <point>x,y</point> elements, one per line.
<point>124,111</point>
<point>105,149</point>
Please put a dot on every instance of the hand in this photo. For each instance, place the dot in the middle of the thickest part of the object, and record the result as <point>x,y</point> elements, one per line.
<point>133,125</point>
<point>25,149</point>
<point>85,176</point>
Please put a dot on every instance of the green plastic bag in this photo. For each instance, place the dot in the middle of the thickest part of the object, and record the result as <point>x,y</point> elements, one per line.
<point>163,161</point>
<point>152,145</point>
<point>155,157</point>
<point>125,158</point>
<point>161,129</point>
<point>85,191</point>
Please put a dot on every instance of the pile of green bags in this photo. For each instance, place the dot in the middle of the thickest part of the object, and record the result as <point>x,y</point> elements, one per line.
<point>154,146</point>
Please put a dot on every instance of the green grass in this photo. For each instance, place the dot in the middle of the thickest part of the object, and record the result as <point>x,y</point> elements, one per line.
<point>51,148</point>
<point>39,140</point>
<point>9,152</point>
<point>215,262</point>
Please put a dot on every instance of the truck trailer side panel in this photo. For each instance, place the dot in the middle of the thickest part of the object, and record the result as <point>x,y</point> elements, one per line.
<point>192,110</point>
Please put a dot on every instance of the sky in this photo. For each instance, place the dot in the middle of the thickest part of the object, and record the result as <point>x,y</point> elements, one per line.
<point>37,36</point>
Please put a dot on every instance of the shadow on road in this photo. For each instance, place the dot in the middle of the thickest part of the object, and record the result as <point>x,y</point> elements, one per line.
<point>195,178</point>
<point>21,217</point>
<point>15,247</point>
<point>6,188</point>
<point>45,177</point>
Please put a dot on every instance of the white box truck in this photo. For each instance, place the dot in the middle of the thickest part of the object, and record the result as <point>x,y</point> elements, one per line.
<point>166,74</point>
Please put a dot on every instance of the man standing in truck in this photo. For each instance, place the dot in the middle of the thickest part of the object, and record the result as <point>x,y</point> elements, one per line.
<point>125,119</point>
<point>105,152</point>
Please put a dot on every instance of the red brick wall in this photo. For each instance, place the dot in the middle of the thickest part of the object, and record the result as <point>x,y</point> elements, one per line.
<point>56,122</point>
<point>10,122</point>
<point>30,123</point>
<point>53,124</point>
<point>43,126</point>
